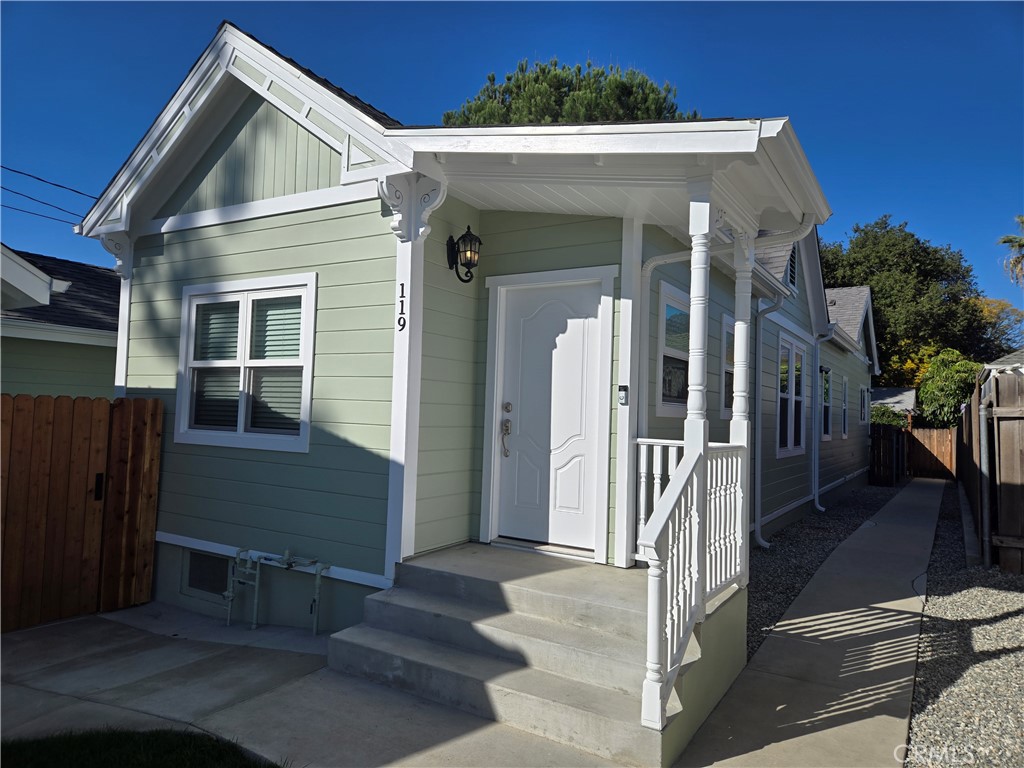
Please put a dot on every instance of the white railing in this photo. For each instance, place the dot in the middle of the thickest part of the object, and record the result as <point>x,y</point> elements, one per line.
<point>726,530</point>
<point>693,541</point>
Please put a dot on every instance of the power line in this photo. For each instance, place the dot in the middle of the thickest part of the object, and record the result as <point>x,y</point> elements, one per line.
<point>40,215</point>
<point>51,183</point>
<point>37,200</point>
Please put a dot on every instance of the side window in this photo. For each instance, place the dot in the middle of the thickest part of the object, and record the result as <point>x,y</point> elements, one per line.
<point>791,392</point>
<point>728,363</point>
<point>865,405</point>
<point>845,417</point>
<point>245,370</point>
<point>826,404</point>
<point>673,350</point>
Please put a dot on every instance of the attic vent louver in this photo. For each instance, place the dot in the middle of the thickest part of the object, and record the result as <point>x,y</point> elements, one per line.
<point>791,267</point>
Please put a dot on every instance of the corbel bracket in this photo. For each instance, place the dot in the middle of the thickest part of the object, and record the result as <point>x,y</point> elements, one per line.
<point>412,197</point>
<point>119,245</point>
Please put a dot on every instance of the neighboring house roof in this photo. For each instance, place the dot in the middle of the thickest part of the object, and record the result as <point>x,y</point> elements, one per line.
<point>901,399</point>
<point>89,302</point>
<point>1008,362</point>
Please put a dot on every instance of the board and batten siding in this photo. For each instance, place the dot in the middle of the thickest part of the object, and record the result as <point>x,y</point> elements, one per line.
<point>260,154</point>
<point>329,503</point>
<point>35,367</point>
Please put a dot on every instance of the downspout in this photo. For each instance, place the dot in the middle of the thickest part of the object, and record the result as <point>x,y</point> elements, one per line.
<point>820,339</point>
<point>758,375</point>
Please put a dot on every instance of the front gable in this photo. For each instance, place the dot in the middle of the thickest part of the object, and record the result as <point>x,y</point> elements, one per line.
<point>246,126</point>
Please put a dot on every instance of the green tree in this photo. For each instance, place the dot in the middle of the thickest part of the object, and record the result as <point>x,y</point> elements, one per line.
<point>549,93</point>
<point>1015,261</point>
<point>883,414</point>
<point>946,386</point>
<point>924,296</point>
<point>1004,328</point>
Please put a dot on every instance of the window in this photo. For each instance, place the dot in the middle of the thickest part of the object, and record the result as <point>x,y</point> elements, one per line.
<point>865,405</point>
<point>728,363</point>
<point>791,398</point>
<point>245,371</point>
<point>846,417</point>
<point>826,404</point>
<point>673,351</point>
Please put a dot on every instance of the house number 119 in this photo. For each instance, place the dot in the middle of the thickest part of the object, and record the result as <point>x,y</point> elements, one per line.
<point>401,307</point>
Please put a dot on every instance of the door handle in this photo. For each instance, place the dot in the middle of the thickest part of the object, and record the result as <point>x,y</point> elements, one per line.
<point>506,430</point>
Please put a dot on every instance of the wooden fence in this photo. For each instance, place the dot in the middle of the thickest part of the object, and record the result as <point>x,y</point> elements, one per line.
<point>79,490</point>
<point>997,476</point>
<point>931,453</point>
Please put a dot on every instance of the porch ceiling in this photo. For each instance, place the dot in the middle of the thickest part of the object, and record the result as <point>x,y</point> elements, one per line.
<point>651,187</point>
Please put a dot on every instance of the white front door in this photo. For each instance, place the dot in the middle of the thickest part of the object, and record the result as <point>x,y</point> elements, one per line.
<point>548,396</point>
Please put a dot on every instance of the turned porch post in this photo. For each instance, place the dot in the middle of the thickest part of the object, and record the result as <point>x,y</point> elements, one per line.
<point>739,426</point>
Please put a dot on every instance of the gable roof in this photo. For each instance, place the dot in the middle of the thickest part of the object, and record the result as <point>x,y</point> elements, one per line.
<point>1007,362</point>
<point>847,307</point>
<point>90,302</point>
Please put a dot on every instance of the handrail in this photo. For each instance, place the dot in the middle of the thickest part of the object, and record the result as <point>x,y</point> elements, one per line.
<point>666,504</point>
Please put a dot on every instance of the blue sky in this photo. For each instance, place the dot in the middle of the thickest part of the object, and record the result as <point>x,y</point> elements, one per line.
<point>913,109</point>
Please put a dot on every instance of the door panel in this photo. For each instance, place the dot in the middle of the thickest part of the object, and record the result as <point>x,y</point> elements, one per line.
<point>551,374</point>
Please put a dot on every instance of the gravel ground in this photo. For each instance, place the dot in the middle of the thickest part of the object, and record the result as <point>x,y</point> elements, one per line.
<point>969,694</point>
<point>777,574</point>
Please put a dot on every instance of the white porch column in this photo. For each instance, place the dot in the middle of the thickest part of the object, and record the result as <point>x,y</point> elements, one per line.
<point>739,426</point>
<point>120,246</point>
<point>412,197</point>
<point>695,429</point>
<point>631,304</point>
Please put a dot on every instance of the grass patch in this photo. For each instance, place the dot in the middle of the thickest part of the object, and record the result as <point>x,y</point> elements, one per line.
<point>139,749</point>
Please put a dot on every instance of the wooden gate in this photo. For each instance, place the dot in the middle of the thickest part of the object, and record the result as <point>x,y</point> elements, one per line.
<point>79,490</point>
<point>931,453</point>
<point>888,455</point>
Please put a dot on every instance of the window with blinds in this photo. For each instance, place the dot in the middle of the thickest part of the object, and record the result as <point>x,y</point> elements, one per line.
<point>247,363</point>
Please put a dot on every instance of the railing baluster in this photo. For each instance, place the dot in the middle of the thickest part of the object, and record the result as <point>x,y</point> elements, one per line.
<point>643,462</point>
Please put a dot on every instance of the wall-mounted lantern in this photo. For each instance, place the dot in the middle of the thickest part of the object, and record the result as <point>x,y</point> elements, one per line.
<point>464,252</point>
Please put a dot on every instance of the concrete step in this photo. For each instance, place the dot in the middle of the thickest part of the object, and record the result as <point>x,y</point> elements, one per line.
<point>584,654</point>
<point>593,718</point>
<point>611,600</point>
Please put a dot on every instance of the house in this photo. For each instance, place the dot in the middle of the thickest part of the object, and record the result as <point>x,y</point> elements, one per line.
<point>346,415</point>
<point>58,326</point>
<point>900,399</point>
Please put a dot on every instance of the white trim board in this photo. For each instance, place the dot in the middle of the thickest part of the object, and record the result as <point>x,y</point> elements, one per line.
<point>65,334</point>
<point>333,572</point>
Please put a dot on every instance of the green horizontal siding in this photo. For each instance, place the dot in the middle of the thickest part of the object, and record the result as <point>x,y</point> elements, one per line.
<point>31,367</point>
<point>329,503</point>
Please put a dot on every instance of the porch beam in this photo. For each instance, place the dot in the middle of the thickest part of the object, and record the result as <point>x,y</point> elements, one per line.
<point>631,304</point>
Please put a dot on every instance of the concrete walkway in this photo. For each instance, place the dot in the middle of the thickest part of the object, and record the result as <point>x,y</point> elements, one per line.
<point>830,687</point>
<point>832,684</point>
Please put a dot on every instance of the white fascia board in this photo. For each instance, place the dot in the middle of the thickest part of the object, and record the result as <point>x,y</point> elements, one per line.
<point>713,137</point>
<point>871,344</point>
<point>65,334</point>
<point>787,156</point>
<point>811,262</point>
<point>187,103</point>
<point>26,284</point>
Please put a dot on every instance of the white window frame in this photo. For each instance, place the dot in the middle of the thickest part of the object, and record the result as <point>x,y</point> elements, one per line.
<point>826,405</point>
<point>245,291</point>
<point>787,447</point>
<point>846,411</point>
<point>728,328</point>
<point>864,414</point>
<point>669,296</point>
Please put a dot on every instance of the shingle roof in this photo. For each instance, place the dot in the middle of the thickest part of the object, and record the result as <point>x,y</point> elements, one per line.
<point>899,399</point>
<point>846,306</point>
<point>91,301</point>
<point>1008,361</point>
<point>774,258</point>
<point>369,110</point>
